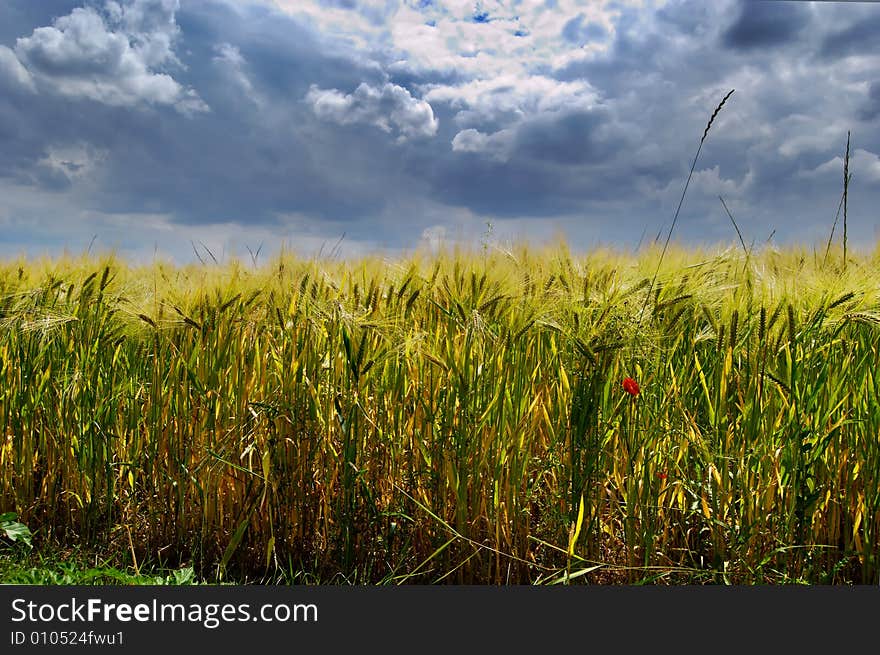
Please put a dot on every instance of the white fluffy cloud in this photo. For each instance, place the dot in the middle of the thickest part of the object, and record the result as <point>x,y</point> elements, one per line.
<point>511,101</point>
<point>391,108</point>
<point>114,56</point>
<point>497,52</point>
<point>511,97</point>
<point>11,68</point>
<point>497,145</point>
<point>864,166</point>
<point>74,161</point>
<point>229,58</point>
<point>484,36</point>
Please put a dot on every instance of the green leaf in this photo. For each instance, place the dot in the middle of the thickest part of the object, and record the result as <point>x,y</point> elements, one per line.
<point>565,577</point>
<point>184,576</point>
<point>14,530</point>
<point>577,528</point>
<point>236,539</point>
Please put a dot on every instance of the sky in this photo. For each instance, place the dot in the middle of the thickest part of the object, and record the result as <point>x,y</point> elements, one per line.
<point>352,127</point>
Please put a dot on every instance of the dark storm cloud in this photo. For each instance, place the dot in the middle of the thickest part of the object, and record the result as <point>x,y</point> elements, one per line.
<point>645,86</point>
<point>570,139</point>
<point>852,37</point>
<point>500,189</point>
<point>634,56</point>
<point>553,164</point>
<point>281,57</point>
<point>766,25</point>
<point>766,150</point>
<point>871,108</point>
<point>246,160</point>
<point>685,16</point>
<point>296,122</point>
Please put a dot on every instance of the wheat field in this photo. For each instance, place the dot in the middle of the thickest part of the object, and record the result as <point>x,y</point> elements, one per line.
<point>458,417</point>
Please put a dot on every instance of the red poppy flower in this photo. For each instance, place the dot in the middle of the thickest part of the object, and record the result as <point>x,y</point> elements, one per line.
<point>631,386</point>
<point>661,475</point>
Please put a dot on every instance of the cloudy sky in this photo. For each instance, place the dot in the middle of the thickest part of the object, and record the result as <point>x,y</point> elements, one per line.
<point>152,125</point>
